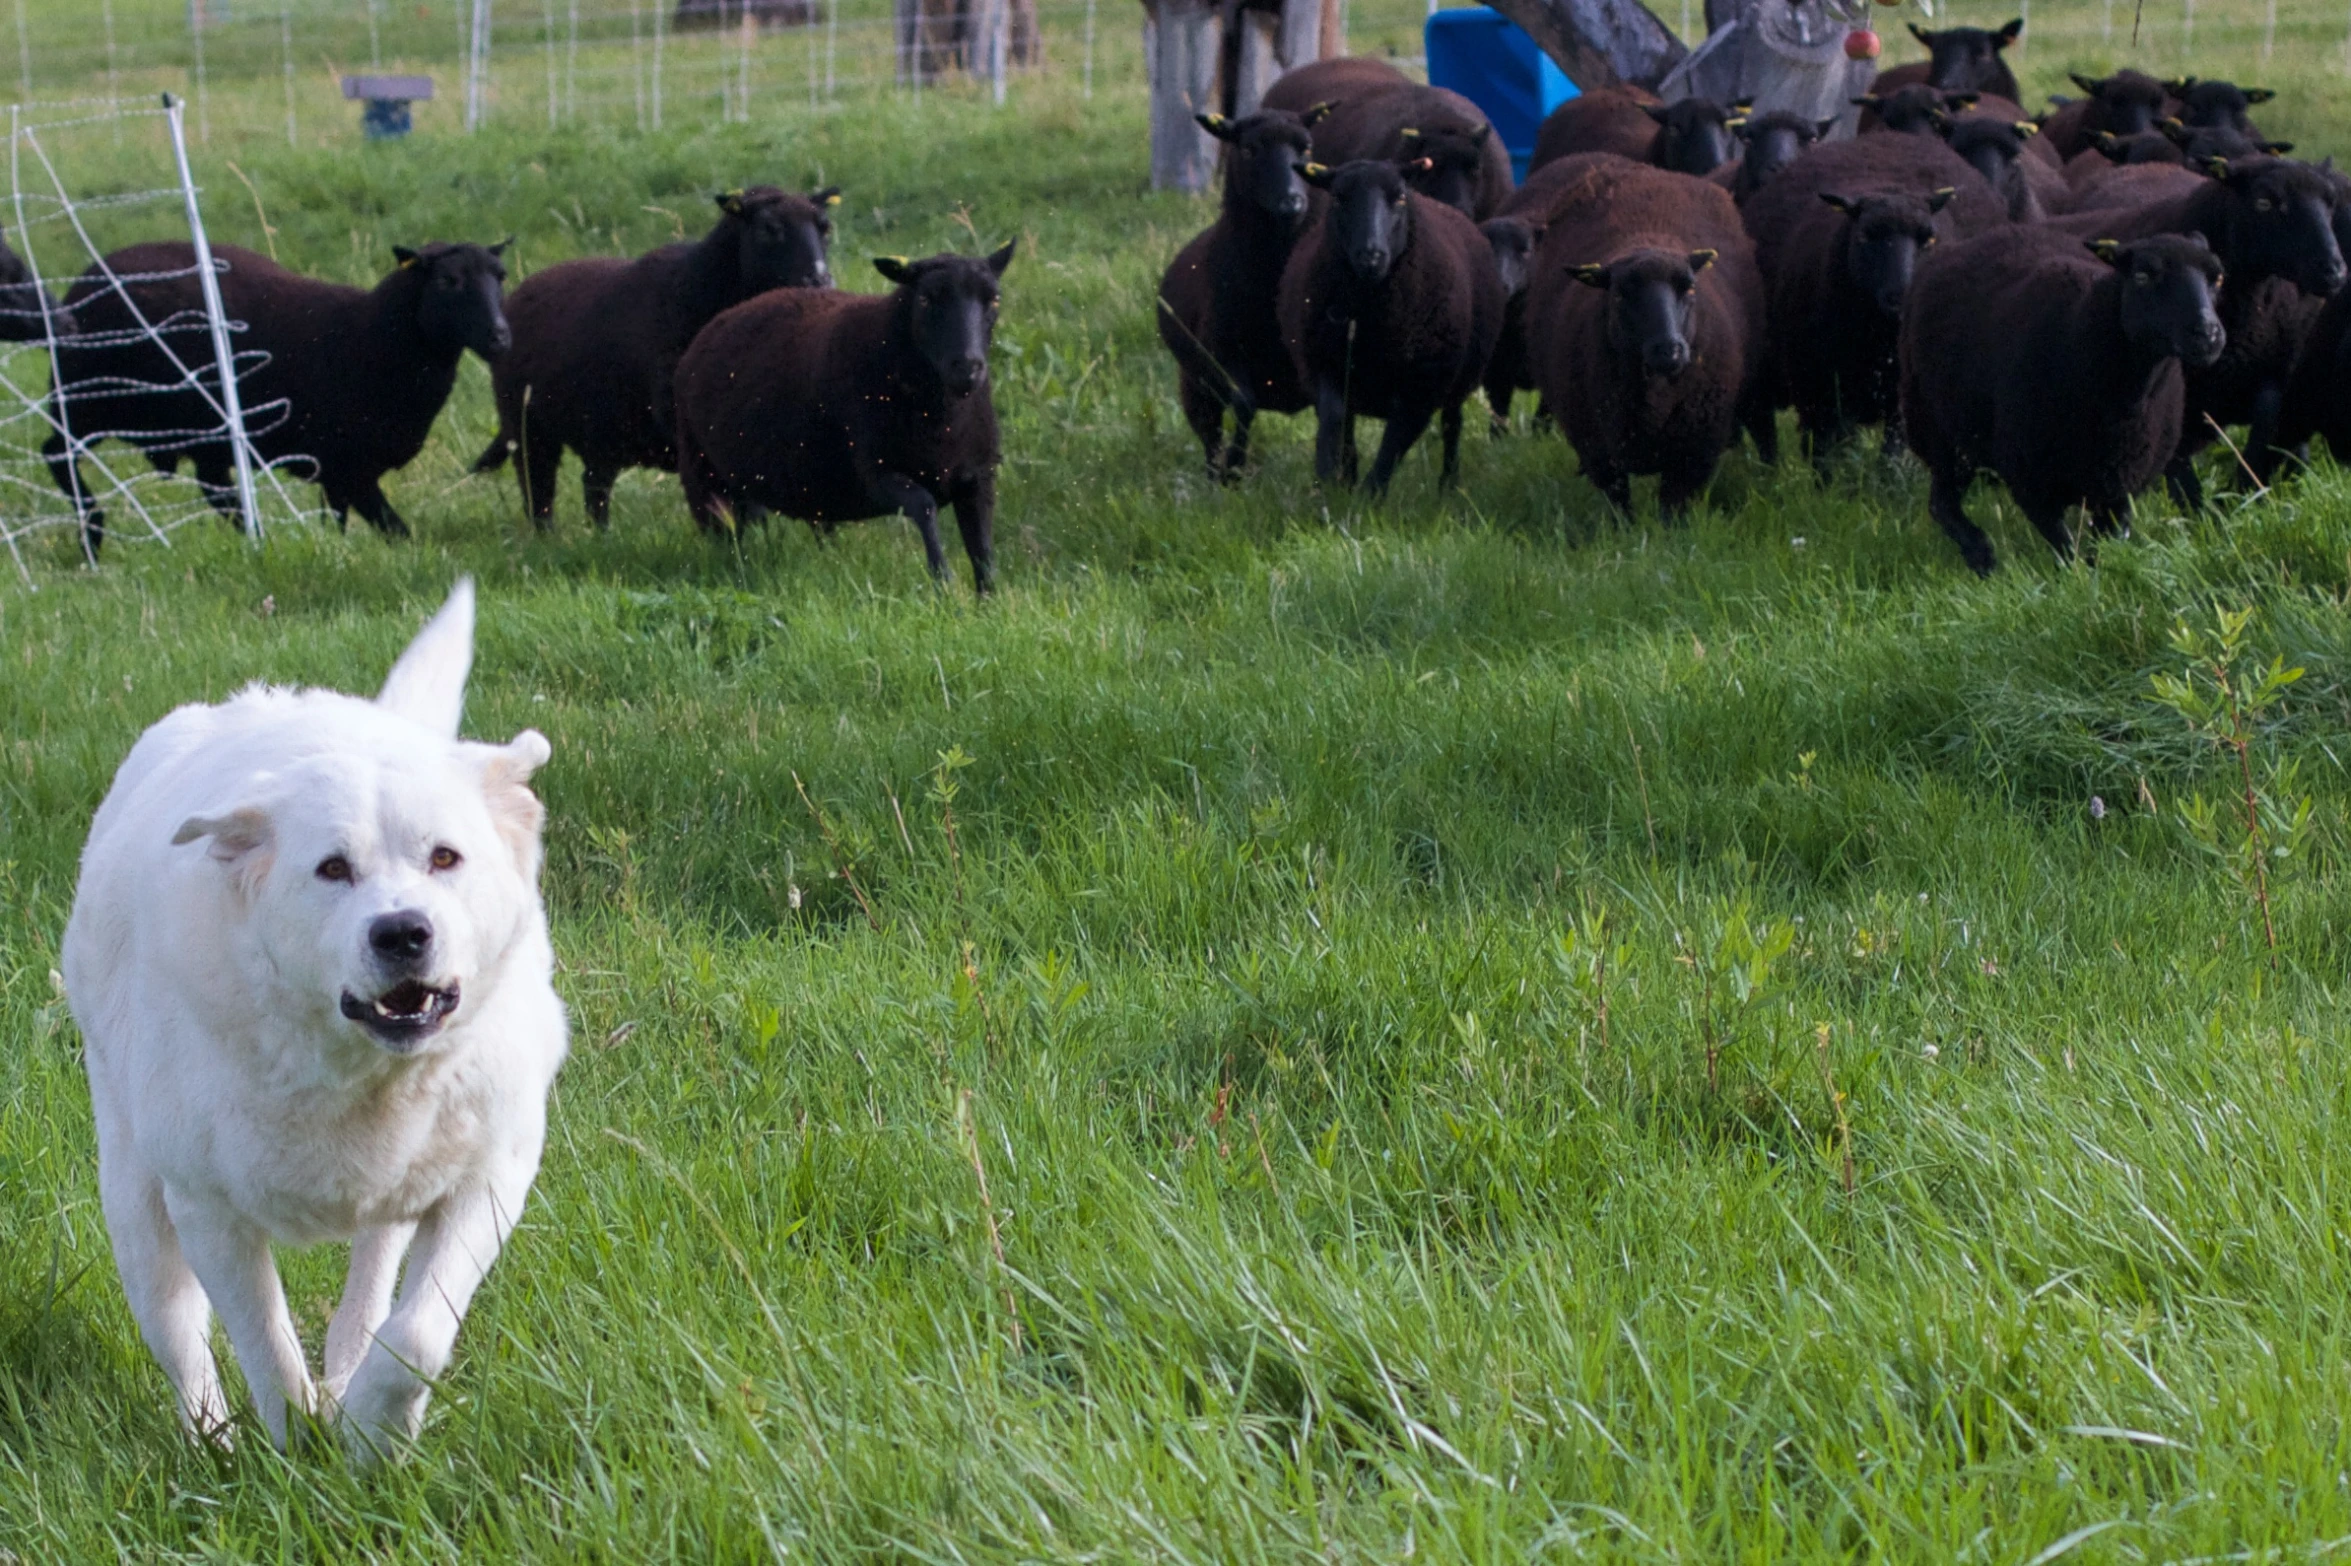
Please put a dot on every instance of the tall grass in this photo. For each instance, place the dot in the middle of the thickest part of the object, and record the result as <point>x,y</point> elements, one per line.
<point>2000,1217</point>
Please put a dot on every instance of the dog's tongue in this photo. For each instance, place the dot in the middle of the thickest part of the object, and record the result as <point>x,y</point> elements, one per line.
<point>405,999</point>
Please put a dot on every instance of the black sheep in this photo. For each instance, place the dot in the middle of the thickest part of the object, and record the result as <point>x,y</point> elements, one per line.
<point>2217,105</point>
<point>1391,308</point>
<point>2056,368</point>
<point>1768,143</point>
<point>836,407</point>
<point>340,384</point>
<point>27,313</point>
<point>1995,149</point>
<point>1513,241</point>
<point>1691,136</point>
<point>1837,237</point>
<point>2123,104</point>
<point>1915,110</point>
<point>1548,189</point>
<point>1645,327</point>
<point>597,341</point>
<point>1376,113</point>
<point>2272,224</point>
<point>1217,299</point>
<point>1959,59</point>
<point>2318,394</point>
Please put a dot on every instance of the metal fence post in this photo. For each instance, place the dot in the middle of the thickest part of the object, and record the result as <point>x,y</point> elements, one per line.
<point>217,318</point>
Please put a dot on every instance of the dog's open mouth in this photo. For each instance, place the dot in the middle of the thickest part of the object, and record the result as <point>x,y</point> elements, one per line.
<point>404,1014</point>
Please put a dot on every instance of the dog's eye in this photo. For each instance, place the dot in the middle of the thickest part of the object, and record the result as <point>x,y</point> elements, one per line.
<point>334,868</point>
<point>447,858</point>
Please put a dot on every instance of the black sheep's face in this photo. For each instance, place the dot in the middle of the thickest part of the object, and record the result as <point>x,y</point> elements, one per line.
<point>1965,59</point>
<point>1513,242</point>
<point>1370,220</point>
<point>2282,222</point>
<point>1652,295</point>
<point>1696,135</point>
<point>461,295</point>
<point>1775,141</point>
<point>1991,148</point>
<point>1919,110</point>
<point>1443,164</point>
<point>1262,155</point>
<point>24,309</point>
<point>1885,237</point>
<point>2124,104</point>
<point>782,240</point>
<point>2155,146</point>
<point>2218,105</point>
<point>950,304</point>
<point>2169,284</point>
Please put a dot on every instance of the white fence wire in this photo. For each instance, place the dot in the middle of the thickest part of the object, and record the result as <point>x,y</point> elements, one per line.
<point>84,341</point>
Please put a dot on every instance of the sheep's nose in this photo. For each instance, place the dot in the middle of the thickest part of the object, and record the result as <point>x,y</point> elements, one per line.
<point>1890,300</point>
<point>1668,358</point>
<point>1372,260</point>
<point>2331,278</point>
<point>1294,203</point>
<point>965,374</point>
<point>501,338</point>
<point>401,939</point>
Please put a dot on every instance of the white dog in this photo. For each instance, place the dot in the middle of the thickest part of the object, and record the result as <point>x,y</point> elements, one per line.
<point>312,974</point>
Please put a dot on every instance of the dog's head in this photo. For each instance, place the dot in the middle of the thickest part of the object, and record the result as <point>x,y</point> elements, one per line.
<point>388,872</point>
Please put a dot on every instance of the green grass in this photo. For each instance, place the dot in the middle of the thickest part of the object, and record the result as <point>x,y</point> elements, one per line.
<point>1334,1223</point>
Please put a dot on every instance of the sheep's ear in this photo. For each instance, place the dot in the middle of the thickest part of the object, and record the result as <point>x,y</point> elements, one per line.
<point>1943,123</point>
<point>2106,250</point>
<point>1742,106</point>
<point>1922,35</point>
<point>1844,204</point>
<point>1940,199</point>
<point>2179,89</point>
<point>427,685</point>
<point>1962,100</point>
<point>1415,165</point>
<point>1001,256</point>
<point>1656,111</point>
<point>1593,274</point>
<point>1316,174</point>
<point>1821,128</point>
<point>514,810</point>
<point>2277,149</point>
<point>2025,128</point>
<point>730,202</point>
<point>2009,34</point>
<point>2258,95</point>
<point>502,246</point>
<point>2216,166</point>
<point>2177,134</point>
<point>1479,140</point>
<point>1700,260</point>
<point>1737,126</point>
<point>405,256</point>
<point>830,196</point>
<point>1317,112</point>
<point>1868,100</point>
<point>896,268</point>
<point>2088,84</point>
<point>1216,125</point>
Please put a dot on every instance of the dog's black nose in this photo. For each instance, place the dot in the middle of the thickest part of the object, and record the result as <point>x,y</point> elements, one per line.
<point>402,937</point>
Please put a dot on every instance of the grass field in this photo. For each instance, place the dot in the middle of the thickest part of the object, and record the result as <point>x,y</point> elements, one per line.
<point>1458,1030</point>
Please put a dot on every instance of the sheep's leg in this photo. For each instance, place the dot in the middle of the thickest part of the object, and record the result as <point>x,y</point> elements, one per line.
<point>1402,429</point>
<point>1947,504</point>
<point>1204,411</point>
<point>1681,483</point>
<point>541,462</point>
<point>2179,477</point>
<point>975,519</point>
<point>1761,421</point>
<point>66,472</point>
<point>922,509</point>
<point>367,498</point>
<point>2261,441</point>
<point>1236,456</point>
<point>1449,476</point>
<point>1499,391</point>
<point>1334,434</point>
<point>595,488</point>
<point>2049,517</point>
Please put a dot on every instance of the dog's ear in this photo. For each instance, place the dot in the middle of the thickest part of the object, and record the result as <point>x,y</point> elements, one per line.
<point>241,839</point>
<point>427,685</point>
<point>506,785</point>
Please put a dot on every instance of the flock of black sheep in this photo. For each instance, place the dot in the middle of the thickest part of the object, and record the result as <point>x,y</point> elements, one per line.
<point>2080,304</point>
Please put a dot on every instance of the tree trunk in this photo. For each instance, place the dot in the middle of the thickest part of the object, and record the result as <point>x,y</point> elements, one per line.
<point>1599,43</point>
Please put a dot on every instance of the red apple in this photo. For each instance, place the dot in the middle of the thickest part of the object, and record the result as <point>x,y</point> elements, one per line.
<point>1862,44</point>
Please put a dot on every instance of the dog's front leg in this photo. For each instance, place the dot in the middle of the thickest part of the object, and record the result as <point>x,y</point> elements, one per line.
<point>383,1407</point>
<point>367,1297</point>
<point>231,1259</point>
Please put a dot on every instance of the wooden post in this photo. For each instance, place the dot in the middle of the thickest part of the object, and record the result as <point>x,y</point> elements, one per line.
<point>1180,39</point>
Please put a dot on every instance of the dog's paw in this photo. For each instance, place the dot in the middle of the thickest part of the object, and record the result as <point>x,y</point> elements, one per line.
<point>383,1409</point>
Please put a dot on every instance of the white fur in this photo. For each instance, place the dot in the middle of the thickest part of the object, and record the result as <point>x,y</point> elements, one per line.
<point>207,962</point>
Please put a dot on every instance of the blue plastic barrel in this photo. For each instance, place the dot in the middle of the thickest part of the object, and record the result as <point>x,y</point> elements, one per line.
<point>1486,57</point>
